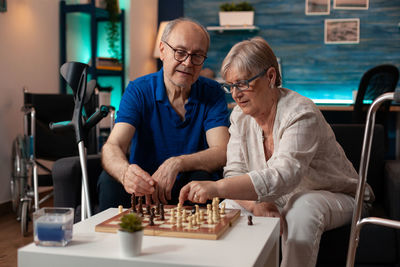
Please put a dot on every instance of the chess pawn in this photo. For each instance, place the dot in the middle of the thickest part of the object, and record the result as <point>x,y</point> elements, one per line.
<point>208,208</point>
<point>172,218</point>
<point>197,208</point>
<point>197,218</point>
<point>184,215</point>
<point>223,208</point>
<point>201,215</point>
<point>179,222</point>
<point>215,216</point>
<point>209,219</point>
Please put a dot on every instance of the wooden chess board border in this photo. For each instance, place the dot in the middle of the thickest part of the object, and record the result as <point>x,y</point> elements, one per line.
<point>213,233</point>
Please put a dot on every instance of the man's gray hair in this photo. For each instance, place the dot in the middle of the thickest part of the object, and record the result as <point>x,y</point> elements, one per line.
<point>251,57</point>
<point>171,25</point>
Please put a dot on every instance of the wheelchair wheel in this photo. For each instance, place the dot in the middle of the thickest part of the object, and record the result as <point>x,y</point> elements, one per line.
<point>25,217</point>
<point>19,171</point>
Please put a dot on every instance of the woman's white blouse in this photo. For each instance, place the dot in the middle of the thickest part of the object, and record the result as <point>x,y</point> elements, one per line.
<point>306,155</point>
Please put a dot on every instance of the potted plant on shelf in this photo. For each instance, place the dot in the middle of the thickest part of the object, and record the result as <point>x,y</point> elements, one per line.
<point>113,35</point>
<point>240,14</point>
<point>130,235</point>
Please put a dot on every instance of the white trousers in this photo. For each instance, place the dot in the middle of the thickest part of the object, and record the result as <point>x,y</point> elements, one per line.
<point>308,215</point>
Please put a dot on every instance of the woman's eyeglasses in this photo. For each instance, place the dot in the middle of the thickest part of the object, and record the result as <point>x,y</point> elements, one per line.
<point>241,85</point>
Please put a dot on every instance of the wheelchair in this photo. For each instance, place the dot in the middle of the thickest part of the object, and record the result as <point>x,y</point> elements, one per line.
<point>42,142</point>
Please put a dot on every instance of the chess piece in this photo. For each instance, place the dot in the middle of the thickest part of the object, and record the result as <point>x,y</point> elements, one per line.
<point>120,209</point>
<point>153,212</point>
<point>133,202</point>
<point>162,212</point>
<point>141,206</point>
<point>179,222</point>
<point>201,215</point>
<point>249,220</point>
<point>209,219</point>
<point>158,209</point>
<point>172,218</point>
<point>148,209</point>
<point>223,208</point>
<point>151,220</point>
<point>184,215</point>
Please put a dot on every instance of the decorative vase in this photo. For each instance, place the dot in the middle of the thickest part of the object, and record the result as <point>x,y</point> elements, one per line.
<point>130,243</point>
<point>236,18</point>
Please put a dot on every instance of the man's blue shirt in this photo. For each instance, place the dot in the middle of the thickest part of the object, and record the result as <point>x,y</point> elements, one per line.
<point>160,133</point>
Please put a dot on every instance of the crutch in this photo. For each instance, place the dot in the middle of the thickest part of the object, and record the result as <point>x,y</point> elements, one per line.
<point>357,221</point>
<point>75,74</point>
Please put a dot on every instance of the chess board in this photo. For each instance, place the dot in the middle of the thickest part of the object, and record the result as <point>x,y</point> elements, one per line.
<point>203,230</point>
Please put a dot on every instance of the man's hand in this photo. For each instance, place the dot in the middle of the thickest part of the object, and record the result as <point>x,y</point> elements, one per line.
<point>137,181</point>
<point>269,209</point>
<point>198,191</point>
<point>165,177</point>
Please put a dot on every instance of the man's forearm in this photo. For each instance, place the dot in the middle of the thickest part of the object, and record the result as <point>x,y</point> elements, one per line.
<point>114,161</point>
<point>208,160</point>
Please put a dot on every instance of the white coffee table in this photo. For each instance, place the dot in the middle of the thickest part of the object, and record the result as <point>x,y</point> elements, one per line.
<point>241,245</point>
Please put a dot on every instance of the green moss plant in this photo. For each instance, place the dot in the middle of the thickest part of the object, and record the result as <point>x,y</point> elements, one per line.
<point>242,6</point>
<point>131,222</point>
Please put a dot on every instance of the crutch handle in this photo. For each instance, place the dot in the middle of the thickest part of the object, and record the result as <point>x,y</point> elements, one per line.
<point>96,117</point>
<point>61,126</point>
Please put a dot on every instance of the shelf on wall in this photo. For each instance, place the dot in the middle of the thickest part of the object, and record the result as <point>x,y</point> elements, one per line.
<point>97,15</point>
<point>221,29</point>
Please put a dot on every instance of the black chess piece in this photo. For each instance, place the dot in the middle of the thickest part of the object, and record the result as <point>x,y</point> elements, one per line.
<point>249,220</point>
<point>162,212</point>
<point>158,209</point>
<point>151,220</point>
<point>133,202</point>
<point>141,206</point>
<point>148,209</point>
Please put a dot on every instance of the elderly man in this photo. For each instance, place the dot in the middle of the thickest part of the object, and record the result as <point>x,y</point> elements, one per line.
<point>175,122</point>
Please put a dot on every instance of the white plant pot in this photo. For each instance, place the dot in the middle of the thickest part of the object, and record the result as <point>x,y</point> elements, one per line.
<point>130,243</point>
<point>236,18</point>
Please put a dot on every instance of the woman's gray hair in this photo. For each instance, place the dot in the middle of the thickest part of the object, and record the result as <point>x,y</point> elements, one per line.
<point>171,25</point>
<point>251,57</point>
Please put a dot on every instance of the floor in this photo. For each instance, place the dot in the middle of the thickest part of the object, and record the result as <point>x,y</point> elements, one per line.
<point>11,237</point>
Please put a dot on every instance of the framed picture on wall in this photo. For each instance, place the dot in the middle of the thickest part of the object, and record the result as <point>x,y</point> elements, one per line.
<point>350,4</point>
<point>318,7</point>
<point>342,31</point>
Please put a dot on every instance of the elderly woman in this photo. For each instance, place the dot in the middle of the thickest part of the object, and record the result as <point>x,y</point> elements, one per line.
<point>282,158</point>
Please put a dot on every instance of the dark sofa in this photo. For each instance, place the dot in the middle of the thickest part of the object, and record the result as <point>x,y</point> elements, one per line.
<point>379,246</point>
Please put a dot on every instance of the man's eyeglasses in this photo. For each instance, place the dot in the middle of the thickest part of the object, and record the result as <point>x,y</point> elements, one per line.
<point>241,85</point>
<point>181,55</point>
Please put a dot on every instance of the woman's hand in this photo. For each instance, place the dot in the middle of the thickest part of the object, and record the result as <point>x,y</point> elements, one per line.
<point>269,209</point>
<point>198,191</point>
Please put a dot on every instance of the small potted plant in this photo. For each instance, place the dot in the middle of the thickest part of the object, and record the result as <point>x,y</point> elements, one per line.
<point>239,14</point>
<point>130,235</point>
